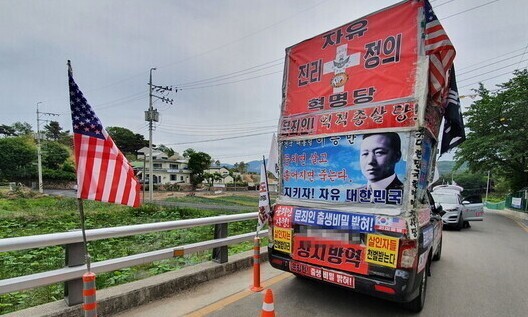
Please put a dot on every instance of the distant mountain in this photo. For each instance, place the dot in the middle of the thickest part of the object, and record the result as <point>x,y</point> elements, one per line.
<point>446,167</point>
<point>254,166</point>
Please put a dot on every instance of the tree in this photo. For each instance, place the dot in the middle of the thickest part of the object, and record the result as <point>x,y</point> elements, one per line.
<point>16,157</point>
<point>7,130</point>
<point>498,136</point>
<point>54,155</point>
<point>165,149</point>
<point>187,153</point>
<point>22,128</point>
<point>127,141</point>
<point>210,178</point>
<point>53,131</point>
<point>241,167</point>
<point>198,163</point>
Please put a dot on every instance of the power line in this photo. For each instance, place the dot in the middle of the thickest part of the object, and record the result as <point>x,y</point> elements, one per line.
<point>489,59</point>
<point>470,9</point>
<point>288,18</point>
<point>222,139</point>
<point>491,71</point>
<point>525,48</point>
<point>229,75</point>
<point>483,80</point>
<point>232,82</point>
<point>441,4</point>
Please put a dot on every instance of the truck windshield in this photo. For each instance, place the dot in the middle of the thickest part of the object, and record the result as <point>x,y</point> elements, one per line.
<point>445,198</point>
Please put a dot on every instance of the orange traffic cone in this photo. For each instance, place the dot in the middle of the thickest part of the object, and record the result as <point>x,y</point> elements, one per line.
<point>268,309</point>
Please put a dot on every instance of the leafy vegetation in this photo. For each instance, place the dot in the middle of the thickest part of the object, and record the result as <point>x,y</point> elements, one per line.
<point>28,213</point>
<point>498,137</point>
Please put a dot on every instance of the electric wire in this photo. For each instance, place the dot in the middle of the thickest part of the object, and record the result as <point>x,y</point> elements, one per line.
<point>470,9</point>
<point>222,139</point>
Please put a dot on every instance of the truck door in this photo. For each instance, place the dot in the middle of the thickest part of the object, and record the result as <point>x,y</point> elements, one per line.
<point>473,208</point>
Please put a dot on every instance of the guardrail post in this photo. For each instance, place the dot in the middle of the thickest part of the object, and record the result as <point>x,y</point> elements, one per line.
<point>220,253</point>
<point>73,289</point>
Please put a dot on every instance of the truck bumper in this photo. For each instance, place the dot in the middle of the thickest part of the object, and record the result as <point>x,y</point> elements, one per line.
<point>402,288</point>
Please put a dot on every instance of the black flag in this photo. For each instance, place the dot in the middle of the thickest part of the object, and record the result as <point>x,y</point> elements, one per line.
<point>453,133</point>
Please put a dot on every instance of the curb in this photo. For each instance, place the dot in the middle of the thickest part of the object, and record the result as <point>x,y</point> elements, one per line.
<point>120,298</point>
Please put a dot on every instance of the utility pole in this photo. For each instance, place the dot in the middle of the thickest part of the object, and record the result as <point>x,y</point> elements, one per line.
<point>152,115</point>
<point>487,187</point>
<point>39,150</point>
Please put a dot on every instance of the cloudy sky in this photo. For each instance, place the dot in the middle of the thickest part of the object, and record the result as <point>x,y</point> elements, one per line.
<point>226,56</point>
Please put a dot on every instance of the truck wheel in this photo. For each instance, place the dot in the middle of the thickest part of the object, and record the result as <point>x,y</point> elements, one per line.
<point>438,253</point>
<point>417,304</point>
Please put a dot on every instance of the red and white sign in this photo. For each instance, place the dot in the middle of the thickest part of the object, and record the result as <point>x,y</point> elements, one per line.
<point>370,60</point>
<point>335,277</point>
<point>282,216</point>
<point>330,253</point>
<point>401,115</point>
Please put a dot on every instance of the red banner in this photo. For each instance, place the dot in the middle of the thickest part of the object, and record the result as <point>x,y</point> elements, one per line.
<point>400,115</point>
<point>372,59</point>
<point>282,216</point>
<point>329,253</point>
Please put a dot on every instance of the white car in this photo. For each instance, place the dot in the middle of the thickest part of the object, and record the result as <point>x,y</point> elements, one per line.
<point>458,211</point>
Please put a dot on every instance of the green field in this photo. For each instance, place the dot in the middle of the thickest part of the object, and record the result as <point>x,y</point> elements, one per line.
<point>27,213</point>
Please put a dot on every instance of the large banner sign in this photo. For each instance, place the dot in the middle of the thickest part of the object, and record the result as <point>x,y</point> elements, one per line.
<point>371,60</point>
<point>375,117</point>
<point>334,254</point>
<point>365,169</point>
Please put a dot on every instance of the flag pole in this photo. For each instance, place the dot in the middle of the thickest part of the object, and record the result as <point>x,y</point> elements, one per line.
<point>266,177</point>
<point>83,229</point>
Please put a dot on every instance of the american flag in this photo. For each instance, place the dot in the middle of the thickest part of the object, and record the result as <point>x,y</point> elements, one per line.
<point>103,172</point>
<point>441,54</point>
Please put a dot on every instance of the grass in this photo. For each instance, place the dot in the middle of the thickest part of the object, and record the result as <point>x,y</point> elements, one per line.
<point>27,213</point>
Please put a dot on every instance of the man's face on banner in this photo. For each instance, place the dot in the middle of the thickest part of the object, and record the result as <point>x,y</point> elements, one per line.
<point>378,157</point>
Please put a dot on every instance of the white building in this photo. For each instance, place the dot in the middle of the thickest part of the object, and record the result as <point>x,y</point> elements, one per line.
<point>166,170</point>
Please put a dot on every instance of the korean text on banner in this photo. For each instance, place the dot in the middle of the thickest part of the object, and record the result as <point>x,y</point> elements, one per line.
<point>358,63</point>
<point>103,172</point>
<point>264,206</point>
<point>330,169</point>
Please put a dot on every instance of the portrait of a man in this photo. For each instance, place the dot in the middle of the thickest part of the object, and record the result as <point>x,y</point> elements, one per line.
<point>379,154</point>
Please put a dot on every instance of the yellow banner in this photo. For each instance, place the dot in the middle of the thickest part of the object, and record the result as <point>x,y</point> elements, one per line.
<point>382,250</point>
<point>282,239</point>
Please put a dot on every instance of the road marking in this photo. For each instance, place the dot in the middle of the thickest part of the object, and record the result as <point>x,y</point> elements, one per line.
<point>519,222</point>
<point>236,297</point>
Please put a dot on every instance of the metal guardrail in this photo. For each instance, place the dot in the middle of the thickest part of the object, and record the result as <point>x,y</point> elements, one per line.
<point>203,206</point>
<point>75,251</point>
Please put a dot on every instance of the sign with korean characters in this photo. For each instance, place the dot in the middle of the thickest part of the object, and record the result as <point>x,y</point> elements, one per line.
<point>330,219</point>
<point>282,216</point>
<point>382,250</point>
<point>370,60</point>
<point>400,115</point>
<point>364,169</point>
<point>329,253</point>
<point>331,276</point>
<point>282,239</point>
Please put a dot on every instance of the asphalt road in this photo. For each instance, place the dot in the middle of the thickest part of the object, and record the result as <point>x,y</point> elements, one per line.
<point>483,272</point>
